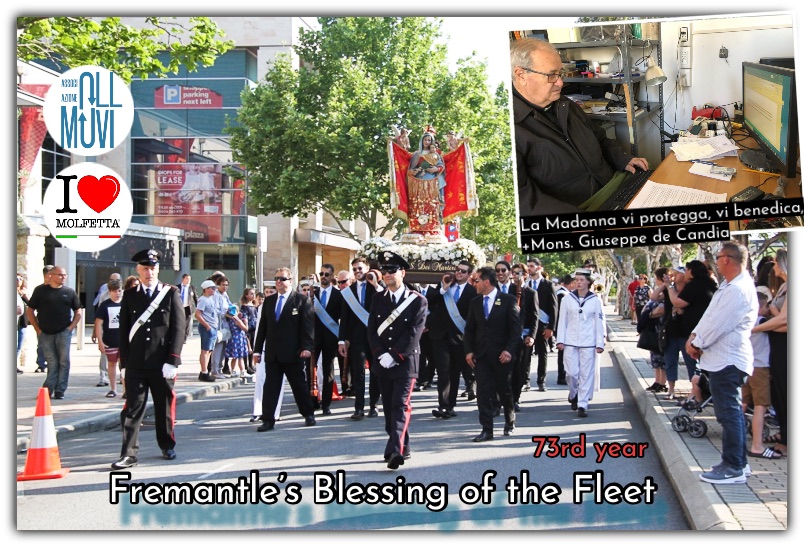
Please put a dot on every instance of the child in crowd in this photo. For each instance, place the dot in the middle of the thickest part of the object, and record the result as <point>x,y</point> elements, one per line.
<point>107,330</point>
<point>238,347</point>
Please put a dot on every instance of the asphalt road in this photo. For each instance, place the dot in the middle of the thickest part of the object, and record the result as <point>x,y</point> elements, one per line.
<point>319,478</point>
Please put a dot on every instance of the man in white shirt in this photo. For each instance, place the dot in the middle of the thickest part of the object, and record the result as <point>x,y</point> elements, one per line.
<point>722,342</point>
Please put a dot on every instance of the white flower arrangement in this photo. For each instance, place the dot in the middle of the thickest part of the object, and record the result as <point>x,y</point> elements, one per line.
<point>454,252</point>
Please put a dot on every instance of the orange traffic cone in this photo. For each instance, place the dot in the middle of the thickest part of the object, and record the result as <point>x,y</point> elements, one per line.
<point>335,395</point>
<point>43,460</point>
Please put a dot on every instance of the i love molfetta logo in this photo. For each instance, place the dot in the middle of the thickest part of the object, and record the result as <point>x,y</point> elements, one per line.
<point>87,207</point>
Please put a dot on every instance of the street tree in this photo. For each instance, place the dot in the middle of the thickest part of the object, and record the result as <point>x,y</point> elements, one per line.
<point>315,138</point>
<point>127,51</point>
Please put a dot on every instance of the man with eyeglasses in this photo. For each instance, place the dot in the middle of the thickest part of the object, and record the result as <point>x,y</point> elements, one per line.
<point>344,281</point>
<point>449,307</point>
<point>722,342</point>
<point>285,341</point>
<point>490,343</point>
<point>353,337</point>
<point>327,305</point>
<point>54,311</point>
<point>395,327</point>
<point>528,302</point>
<point>563,158</point>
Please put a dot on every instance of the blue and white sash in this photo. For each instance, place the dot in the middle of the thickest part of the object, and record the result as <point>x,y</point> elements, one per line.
<point>325,318</point>
<point>361,312</point>
<point>454,314</point>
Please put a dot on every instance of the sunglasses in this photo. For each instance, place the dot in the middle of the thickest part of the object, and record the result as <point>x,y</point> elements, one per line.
<point>500,270</point>
<point>389,269</point>
<point>283,279</point>
<point>461,270</point>
<point>324,274</point>
<point>357,269</point>
<point>343,281</point>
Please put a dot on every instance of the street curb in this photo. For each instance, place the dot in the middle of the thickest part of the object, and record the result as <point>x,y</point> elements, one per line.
<point>111,418</point>
<point>700,502</point>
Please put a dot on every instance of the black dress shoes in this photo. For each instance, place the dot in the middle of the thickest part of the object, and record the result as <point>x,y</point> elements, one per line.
<point>373,413</point>
<point>447,414</point>
<point>540,387</point>
<point>125,462</point>
<point>517,408</point>
<point>483,437</point>
<point>509,428</point>
<point>326,411</point>
<point>573,402</point>
<point>309,420</point>
<point>169,454</point>
<point>266,426</point>
<point>561,381</point>
<point>396,460</point>
<point>358,415</point>
<point>582,412</point>
<point>387,457</point>
<point>438,413</point>
<point>470,396</point>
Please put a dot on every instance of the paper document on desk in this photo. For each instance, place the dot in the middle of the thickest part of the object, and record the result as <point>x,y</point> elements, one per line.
<point>705,170</point>
<point>666,195</point>
<point>693,148</point>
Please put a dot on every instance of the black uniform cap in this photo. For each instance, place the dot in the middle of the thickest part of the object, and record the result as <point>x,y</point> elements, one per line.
<point>147,257</point>
<point>387,258</point>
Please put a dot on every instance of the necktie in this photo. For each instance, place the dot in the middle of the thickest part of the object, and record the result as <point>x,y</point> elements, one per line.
<point>457,292</point>
<point>323,299</point>
<point>393,299</point>
<point>279,306</point>
<point>148,293</point>
<point>183,294</point>
<point>504,288</point>
<point>486,309</point>
<point>363,294</point>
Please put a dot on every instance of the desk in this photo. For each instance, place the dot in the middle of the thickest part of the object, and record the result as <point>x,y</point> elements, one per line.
<point>676,173</point>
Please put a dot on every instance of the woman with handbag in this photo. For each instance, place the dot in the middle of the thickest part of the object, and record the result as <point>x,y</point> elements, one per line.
<point>650,327</point>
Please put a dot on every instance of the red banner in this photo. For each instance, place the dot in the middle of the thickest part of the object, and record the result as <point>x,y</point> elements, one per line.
<point>32,132</point>
<point>401,161</point>
<point>455,194</point>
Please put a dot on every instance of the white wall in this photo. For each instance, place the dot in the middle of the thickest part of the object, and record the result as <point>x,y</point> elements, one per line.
<point>713,79</point>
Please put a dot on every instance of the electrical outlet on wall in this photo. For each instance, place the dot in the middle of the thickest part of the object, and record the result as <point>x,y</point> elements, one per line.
<point>685,77</point>
<point>685,57</point>
<point>683,34</point>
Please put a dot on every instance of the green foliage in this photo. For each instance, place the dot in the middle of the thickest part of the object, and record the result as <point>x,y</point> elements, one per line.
<point>316,137</point>
<point>127,51</point>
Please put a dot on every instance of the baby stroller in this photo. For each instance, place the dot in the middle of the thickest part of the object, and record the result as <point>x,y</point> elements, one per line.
<point>686,418</point>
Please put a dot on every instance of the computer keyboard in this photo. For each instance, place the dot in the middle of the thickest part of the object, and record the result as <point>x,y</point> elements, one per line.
<point>627,190</point>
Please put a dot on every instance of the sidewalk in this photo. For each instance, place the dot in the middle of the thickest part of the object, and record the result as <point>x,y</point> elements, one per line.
<point>760,504</point>
<point>86,408</point>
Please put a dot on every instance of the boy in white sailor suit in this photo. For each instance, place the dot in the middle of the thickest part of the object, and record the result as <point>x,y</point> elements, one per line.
<point>152,334</point>
<point>581,335</point>
<point>395,326</point>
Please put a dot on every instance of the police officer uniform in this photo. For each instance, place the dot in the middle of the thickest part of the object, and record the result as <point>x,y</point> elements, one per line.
<point>395,347</point>
<point>150,359</point>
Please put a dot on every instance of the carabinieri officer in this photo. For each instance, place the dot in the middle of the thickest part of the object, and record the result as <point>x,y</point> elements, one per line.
<point>152,323</point>
<point>395,326</point>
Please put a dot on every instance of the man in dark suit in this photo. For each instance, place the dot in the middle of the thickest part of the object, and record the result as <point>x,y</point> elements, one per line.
<point>449,306</point>
<point>189,298</point>
<point>395,327</point>
<point>528,302</point>
<point>547,321</point>
<point>151,337</point>
<point>353,341</point>
<point>327,305</point>
<point>285,340</point>
<point>426,363</point>
<point>490,342</point>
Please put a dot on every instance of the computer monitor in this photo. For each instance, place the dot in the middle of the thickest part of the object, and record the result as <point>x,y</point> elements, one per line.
<point>769,111</point>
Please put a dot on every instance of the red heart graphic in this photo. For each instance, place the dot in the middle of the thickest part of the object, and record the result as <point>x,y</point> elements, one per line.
<point>98,194</point>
